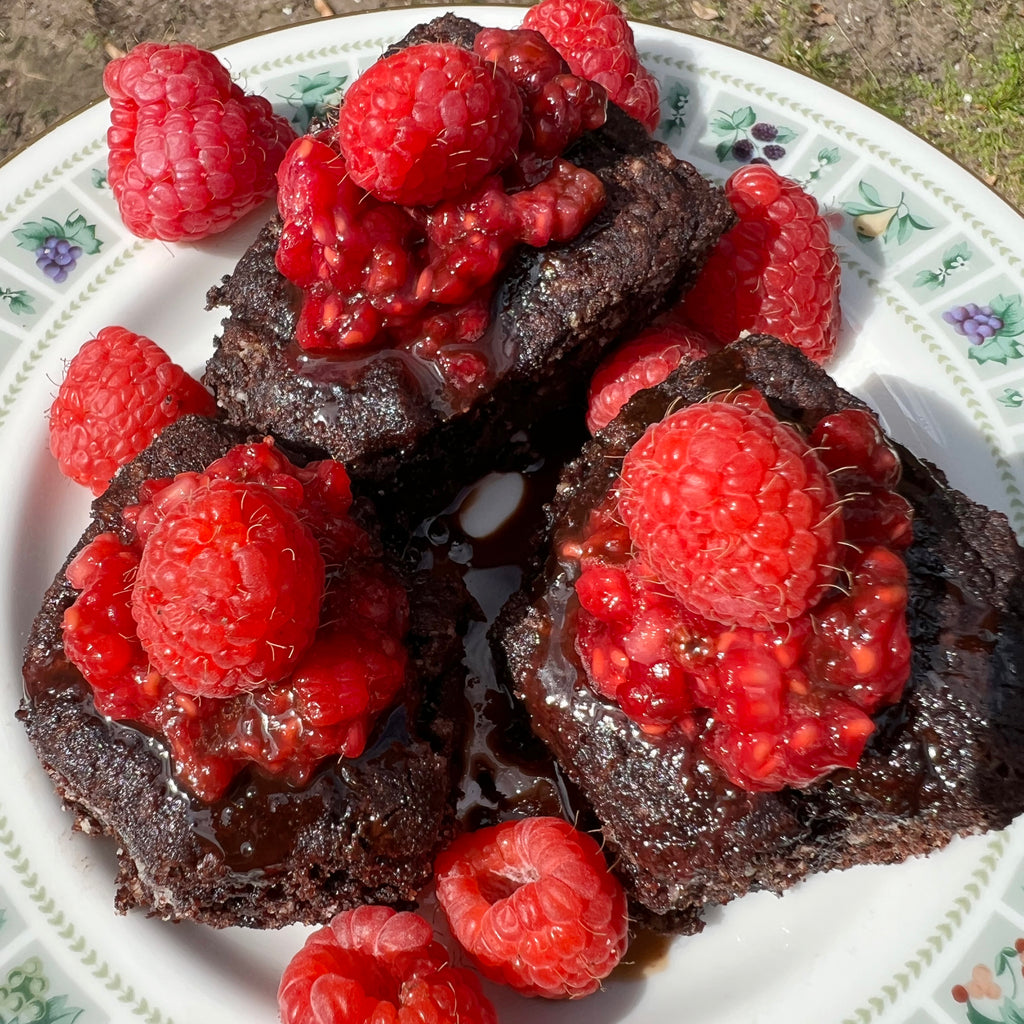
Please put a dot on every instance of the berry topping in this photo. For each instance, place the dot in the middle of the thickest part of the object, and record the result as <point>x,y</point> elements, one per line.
<point>535,905</point>
<point>205,622</point>
<point>119,392</point>
<point>774,272</point>
<point>428,123</point>
<point>597,43</point>
<point>733,512</point>
<point>376,964</point>
<point>641,362</point>
<point>558,107</point>
<point>227,596</point>
<point>772,703</point>
<point>371,269</point>
<point>189,152</point>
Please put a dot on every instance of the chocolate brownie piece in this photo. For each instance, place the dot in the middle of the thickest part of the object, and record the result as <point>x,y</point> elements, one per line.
<point>948,759</point>
<point>385,415</point>
<point>364,829</point>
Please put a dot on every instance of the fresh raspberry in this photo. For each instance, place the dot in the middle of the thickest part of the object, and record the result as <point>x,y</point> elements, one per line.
<point>227,596</point>
<point>535,905</point>
<point>597,43</point>
<point>381,965</point>
<point>733,511</point>
<point>189,152</point>
<point>774,272</point>
<point>119,392</point>
<point>428,123</point>
<point>643,361</point>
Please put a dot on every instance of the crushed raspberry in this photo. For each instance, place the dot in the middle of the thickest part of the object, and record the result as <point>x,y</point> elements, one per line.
<point>535,905</point>
<point>643,361</point>
<point>374,272</point>
<point>189,152</point>
<point>597,43</point>
<point>397,224</point>
<point>428,123</point>
<point>558,107</point>
<point>120,390</point>
<point>772,704</point>
<point>99,631</point>
<point>774,272</point>
<point>381,965</point>
<point>227,594</point>
<point>325,653</point>
<point>557,208</point>
<point>733,511</point>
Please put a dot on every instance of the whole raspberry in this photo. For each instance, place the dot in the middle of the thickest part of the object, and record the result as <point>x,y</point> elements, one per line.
<point>774,272</point>
<point>597,43</point>
<point>733,512</point>
<point>120,390</point>
<point>381,965</point>
<point>428,123</point>
<point>189,152</point>
<point>227,595</point>
<point>641,362</point>
<point>535,905</point>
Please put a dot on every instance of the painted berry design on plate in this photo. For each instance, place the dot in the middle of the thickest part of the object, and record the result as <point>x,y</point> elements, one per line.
<point>19,301</point>
<point>57,246</point>
<point>23,997</point>
<point>748,139</point>
<point>955,258</point>
<point>993,331</point>
<point>986,1000</point>
<point>311,95</point>
<point>878,217</point>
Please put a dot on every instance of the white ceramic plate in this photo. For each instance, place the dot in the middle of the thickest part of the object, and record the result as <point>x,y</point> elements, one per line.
<point>872,944</point>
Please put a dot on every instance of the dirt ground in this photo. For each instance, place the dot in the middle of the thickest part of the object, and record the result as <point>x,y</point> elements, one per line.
<point>951,69</point>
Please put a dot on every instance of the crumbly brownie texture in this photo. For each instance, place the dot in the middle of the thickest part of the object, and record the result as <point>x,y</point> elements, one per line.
<point>557,310</point>
<point>947,760</point>
<point>363,830</point>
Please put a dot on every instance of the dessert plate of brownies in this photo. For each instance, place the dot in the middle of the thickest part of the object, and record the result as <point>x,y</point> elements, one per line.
<point>167,851</point>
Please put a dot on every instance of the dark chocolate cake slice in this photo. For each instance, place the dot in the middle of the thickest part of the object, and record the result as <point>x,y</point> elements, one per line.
<point>386,415</point>
<point>948,759</point>
<point>363,829</point>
